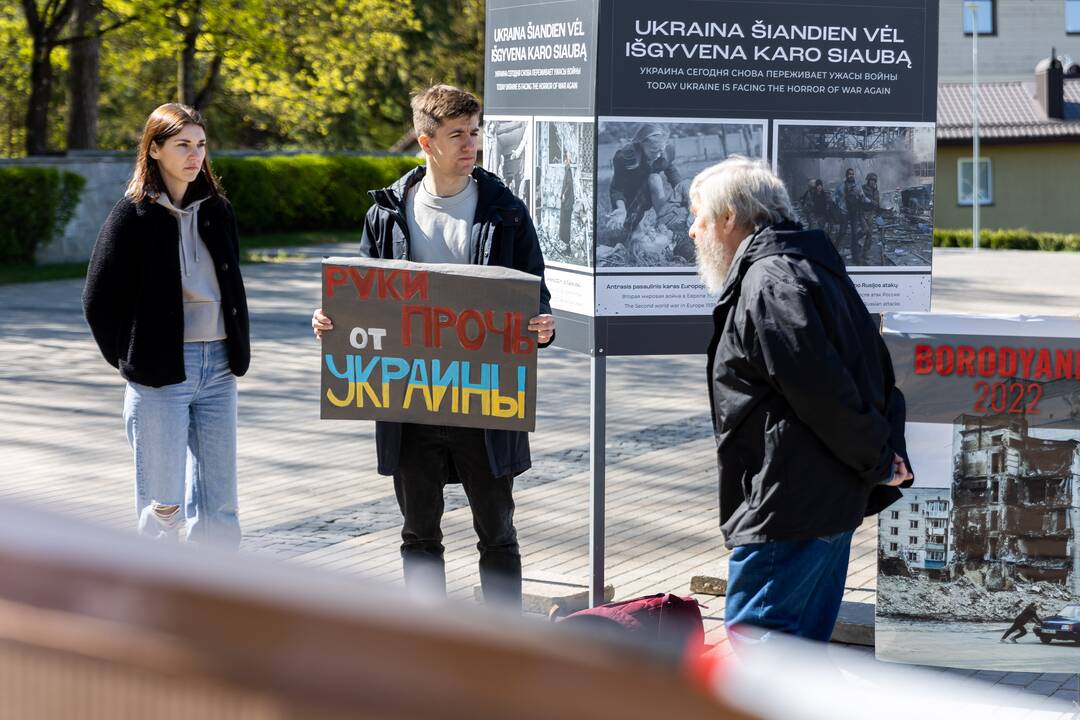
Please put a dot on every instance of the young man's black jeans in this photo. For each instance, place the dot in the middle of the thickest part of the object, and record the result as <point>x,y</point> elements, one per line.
<point>432,456</point>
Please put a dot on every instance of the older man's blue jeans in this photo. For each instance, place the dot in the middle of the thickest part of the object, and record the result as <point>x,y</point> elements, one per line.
<point>789,587</point>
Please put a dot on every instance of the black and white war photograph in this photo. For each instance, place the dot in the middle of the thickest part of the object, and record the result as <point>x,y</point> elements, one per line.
<point>565,152</point>
<point>644,175</point>
<point>870,187</point>
<point>508,153</point>
<point>983,571</point>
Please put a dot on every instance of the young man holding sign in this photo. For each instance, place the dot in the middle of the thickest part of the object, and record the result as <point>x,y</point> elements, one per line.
<point>454,212</point>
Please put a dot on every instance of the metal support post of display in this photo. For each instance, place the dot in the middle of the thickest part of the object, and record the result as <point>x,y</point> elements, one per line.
<point>597,445</point>
<point>976,196</point>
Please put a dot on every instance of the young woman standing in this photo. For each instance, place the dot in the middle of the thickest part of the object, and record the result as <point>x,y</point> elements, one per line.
<point>166,304</point>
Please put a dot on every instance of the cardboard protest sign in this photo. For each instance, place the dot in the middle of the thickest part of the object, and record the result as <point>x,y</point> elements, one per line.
<point>988,539</point>
<point>430,344</point>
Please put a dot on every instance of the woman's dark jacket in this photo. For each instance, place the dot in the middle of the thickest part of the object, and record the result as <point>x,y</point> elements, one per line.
<point>133,299</point>
<point>805,407</point>
<point>502,235</point>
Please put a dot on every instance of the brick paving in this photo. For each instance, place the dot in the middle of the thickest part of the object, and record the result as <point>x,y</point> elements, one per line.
<point>308,488</point>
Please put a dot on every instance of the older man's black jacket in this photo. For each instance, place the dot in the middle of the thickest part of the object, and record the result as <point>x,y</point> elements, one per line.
<point>503,235</point>
<point>805,408</point>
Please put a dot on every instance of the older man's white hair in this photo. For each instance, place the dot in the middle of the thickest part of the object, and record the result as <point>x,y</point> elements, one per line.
<point>748,188</point>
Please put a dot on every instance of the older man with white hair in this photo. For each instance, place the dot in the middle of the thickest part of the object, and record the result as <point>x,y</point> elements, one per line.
<point>808,421</point>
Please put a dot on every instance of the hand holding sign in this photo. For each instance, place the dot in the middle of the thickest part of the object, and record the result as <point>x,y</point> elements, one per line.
<point>320,323</point>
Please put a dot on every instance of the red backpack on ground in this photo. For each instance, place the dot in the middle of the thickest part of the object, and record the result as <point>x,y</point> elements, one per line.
<point>666,622</point>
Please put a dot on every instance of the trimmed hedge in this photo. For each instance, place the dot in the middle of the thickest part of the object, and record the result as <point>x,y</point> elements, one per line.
<point>305,192</point>
<point>1020,239</point>
<point>36,205</point>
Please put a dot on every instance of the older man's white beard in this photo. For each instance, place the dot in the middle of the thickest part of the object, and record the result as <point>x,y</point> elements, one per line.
<point>713,263</point>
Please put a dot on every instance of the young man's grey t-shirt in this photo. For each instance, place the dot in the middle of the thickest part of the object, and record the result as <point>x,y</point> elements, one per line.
<point>440,227</point>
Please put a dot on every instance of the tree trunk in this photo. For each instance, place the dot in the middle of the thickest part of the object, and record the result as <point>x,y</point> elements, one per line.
<point>85,77</point>
<point>37,110</point>
<point>202,99</point>
<point>186,66</point>
<point>43,29</point>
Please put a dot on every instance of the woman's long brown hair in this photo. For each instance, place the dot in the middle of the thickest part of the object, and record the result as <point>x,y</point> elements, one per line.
<point>166,120</point>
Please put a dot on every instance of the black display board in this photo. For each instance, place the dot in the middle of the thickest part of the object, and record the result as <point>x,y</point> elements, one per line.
<point>599,113</point>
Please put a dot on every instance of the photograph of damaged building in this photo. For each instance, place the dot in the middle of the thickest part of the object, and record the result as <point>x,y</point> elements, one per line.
<point>870,187</point>
<point>957,564</point>
<point>1016,508</point>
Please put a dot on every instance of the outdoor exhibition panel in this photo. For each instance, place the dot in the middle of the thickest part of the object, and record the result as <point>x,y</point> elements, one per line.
<point>991,527</point>
<point>600,113</point>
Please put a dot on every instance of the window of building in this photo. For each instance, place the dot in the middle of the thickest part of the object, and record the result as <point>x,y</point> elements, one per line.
<point>913,540</point>
<point>914,524</point>
<point>914,507</point>
<point>894,514</point>
<point>935,555</point>
<point>1072,17</point>
<point>893,547</point>
<point>1037,492</point>
<point>985,16</point>
<point>894,531</point>
<point>964,171</point>
<point>912,557</point>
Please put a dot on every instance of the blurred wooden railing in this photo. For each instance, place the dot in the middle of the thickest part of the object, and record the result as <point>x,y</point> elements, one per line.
<point>100,624</point>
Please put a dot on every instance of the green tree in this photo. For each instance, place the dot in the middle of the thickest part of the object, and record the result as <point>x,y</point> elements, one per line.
<point>269,74</point>
<point>448,44</point>
<point>45,22</point>
<point>333,74</point>
<point>15,50</point>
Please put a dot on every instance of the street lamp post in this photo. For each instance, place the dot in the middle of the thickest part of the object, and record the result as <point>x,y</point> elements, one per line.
<point>974,8</point>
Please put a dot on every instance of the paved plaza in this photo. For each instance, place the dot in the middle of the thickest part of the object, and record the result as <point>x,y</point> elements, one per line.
<point>309,492</point>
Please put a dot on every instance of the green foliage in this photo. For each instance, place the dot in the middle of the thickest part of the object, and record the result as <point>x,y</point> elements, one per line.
<point>305,192</point>
<point>293,74</point>
<point>327,75</point>
<point>1018,239</point>
<point>14,79</point>
<point>36,205</point>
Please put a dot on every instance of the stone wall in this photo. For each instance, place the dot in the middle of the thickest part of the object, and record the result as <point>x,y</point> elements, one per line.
<point>107,175</point>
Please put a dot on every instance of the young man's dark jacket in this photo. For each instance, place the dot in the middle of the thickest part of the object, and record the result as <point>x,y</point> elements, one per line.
<point>133,299</point>
<point>503,235</point>
<point>805,408</point>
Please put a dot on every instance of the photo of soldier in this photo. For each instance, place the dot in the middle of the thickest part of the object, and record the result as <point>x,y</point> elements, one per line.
<point>566,202</point>
<point>853,204</point>
<point>837,173</point>
<point>644,175</point>
<point>506,150</point>
<point>563,214</point>
<point>818,209</point>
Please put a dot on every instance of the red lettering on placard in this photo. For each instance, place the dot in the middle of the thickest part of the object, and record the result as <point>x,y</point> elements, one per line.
<point>471,343</point>
<point>332,277</point>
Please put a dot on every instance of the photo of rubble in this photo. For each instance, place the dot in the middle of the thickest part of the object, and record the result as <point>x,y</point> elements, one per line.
<point>508,154</point>
<point>564,189</point>
<point>871,188</point>
<point>984,573</point>
<point>644,175</point>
